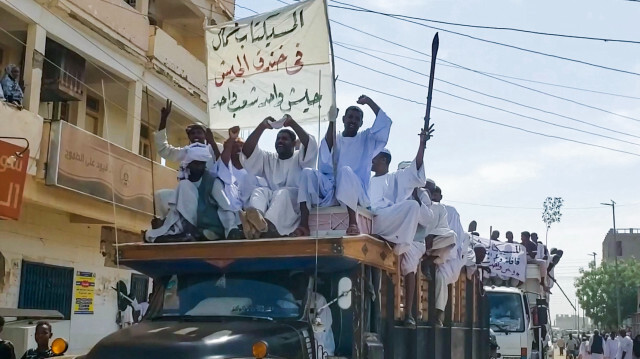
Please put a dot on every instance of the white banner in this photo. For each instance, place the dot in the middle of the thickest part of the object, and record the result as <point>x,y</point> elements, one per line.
<point>506,260</point>
<point>270,64</point>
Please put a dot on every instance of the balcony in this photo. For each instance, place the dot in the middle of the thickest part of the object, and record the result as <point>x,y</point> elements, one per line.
<point>110,18</point>
<point>166,54</point>
<point>82,162</point>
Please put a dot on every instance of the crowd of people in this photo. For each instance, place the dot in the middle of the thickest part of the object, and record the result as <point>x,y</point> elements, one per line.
<point>238,190</point>
<point>10,90</point>
<point>614,345</point>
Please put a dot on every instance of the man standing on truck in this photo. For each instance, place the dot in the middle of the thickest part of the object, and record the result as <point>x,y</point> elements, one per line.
<point>274,210</point>
<point>354,152</point>
<point>193,211</point>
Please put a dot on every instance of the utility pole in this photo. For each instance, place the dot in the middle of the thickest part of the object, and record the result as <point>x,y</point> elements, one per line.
<point>615,241</point>
<point>594,254</point>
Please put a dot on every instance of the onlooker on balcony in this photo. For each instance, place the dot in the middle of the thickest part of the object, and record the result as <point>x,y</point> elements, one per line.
<point>10,86</point>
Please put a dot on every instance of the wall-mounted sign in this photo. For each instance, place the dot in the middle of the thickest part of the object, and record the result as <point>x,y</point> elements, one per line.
<point>85,286</point>
<point>13,173</point>
<point>83,162</point>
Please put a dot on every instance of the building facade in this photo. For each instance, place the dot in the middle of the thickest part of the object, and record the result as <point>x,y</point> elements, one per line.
<point>572,322</point>
<point>625,243</point>
<point>95,74</point>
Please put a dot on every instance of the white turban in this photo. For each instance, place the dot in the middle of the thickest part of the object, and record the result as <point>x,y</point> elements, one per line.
<point>195,152</point>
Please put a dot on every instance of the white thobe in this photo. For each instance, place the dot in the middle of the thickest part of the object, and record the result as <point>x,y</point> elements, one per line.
<point>183,206</point>
<point>323,187</point>
<point>410,260</point>
<point>584,348</point>
<point>279,201</point>
<point>396,215</point>
<point>354,155</point>
<point>231,191</point>
<point>612,348</point>
<point>445,241</point>
<point>177,154</point>
<point>625,345</point>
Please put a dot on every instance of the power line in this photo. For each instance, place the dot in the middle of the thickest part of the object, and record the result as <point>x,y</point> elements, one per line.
<point>485,105</point>
<point>495,97</point>
<point>361,9</point>
<point>487,75</point>
<point>490,121</point>
<point>492,27</point>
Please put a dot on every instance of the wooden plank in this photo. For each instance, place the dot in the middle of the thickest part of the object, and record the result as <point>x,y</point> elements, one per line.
<point>363,248</point>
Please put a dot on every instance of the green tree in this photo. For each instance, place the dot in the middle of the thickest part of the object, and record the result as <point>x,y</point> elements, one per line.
<point>596,291</point>
<point>551,213</point>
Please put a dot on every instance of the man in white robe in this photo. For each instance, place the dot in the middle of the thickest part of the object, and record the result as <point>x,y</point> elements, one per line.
<point>192,210</point>
<point>353,152</point>
<point>233,187</point>
<point>274,210</point>
<point>197,134</point>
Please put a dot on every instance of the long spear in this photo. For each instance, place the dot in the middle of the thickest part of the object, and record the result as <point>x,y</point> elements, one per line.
<point>434,52</point>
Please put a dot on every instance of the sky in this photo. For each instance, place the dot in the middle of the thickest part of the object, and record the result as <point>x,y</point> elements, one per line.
<point>496,175</point>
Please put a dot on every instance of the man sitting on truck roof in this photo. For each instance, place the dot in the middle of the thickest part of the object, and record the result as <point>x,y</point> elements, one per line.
<point>233,187</point>
<point>274,210</point>
<point>42,336</point>
<point>532,251</point>
<point>196,133</point>
<point>193,210</point>
<point>354,152</point>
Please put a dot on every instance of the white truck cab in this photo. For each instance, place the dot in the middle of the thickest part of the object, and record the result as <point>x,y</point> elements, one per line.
<point>517,315</point>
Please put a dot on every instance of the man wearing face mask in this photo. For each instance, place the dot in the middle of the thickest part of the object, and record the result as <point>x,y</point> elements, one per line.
<point>274,210</point>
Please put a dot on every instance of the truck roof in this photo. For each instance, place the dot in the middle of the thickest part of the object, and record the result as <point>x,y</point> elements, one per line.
<point>334,254</point>
<point>502,289</point>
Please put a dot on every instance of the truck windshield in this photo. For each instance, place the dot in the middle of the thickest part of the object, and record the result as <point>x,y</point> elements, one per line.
<point>506,314</point>
<point>269,294</point>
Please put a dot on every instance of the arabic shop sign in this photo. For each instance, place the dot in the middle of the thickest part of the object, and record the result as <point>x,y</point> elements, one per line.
<point>270,64</point>
<point>85,285</point>
<point>85,163</point>
<point>13,171</point>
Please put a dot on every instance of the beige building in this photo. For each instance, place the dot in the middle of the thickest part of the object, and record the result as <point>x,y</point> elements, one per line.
<point>625,242</point>
<point>95,75</point>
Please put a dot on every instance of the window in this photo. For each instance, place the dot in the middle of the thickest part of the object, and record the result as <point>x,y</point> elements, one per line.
<point>44,286</point>
<point>506,313</point>
<point>92,118</point>
<point>145,141</point>
<point>619,248</point>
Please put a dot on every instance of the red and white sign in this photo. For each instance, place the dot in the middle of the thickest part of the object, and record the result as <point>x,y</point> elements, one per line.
<point>13,173</point>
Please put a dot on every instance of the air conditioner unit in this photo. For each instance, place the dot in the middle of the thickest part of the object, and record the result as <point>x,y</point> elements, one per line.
<point>22,333</point>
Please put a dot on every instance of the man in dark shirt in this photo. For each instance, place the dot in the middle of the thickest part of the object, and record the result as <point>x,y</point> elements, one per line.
<point>43,335</point>
<point>531,247</point>
<point>6,347</point>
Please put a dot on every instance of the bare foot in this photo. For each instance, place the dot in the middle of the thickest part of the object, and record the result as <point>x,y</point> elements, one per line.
<point>353,230</point>
<point>301,232</point>
<point>256,219</point>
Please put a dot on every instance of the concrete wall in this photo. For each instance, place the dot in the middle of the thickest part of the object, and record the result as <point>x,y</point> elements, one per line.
<point>630,239</point>
<point>48,237</point>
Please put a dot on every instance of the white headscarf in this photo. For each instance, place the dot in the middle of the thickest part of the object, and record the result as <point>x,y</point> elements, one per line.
<point>195,152</point>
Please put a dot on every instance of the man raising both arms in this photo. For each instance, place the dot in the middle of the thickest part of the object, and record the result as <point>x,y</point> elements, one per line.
<point>354,152</point>
<point>274,209</point>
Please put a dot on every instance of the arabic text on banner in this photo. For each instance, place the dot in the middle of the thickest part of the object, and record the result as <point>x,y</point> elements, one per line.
<point>506,260</point>
<point>270,64</point>
<point>85,285</point>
